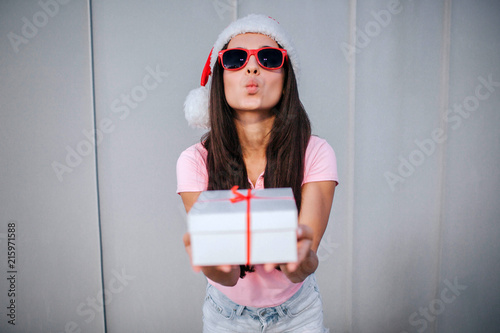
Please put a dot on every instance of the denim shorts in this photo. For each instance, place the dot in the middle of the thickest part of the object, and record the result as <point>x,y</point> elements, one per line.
<point>303,313</point>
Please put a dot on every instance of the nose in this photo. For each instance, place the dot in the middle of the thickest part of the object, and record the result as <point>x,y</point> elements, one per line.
<point>252,66</point>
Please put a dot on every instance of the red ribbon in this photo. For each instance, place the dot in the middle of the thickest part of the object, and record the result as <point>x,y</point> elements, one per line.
<point>240,197</point>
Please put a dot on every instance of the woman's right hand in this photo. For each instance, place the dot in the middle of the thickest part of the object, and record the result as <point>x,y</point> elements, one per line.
<point>227,275</point>
<point>187,245</point>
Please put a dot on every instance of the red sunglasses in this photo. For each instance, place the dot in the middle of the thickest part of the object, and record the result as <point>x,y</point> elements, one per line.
<point>268,57</point>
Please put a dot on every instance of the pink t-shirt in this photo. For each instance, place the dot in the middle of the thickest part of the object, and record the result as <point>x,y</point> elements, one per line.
<point>259,288</point>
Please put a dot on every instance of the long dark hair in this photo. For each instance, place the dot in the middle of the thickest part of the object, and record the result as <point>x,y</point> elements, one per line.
<point>285,152</point>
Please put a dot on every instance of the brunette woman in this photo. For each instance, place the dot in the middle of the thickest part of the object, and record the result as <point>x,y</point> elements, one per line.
<point>259,137</point>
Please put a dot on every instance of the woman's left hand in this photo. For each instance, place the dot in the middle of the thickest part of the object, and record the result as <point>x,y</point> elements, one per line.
<point>307,260</point>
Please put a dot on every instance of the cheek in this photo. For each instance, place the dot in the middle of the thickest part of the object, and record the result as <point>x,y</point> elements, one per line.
<point>276,90</point>
<point>229,84</point>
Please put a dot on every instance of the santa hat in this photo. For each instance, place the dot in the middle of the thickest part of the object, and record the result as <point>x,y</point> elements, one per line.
<point>196,104</point>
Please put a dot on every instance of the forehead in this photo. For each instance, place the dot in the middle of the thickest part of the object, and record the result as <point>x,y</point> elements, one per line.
<point>251,41</point>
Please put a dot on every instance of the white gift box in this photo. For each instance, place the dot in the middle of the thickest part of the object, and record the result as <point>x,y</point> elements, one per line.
<point>219,233</point>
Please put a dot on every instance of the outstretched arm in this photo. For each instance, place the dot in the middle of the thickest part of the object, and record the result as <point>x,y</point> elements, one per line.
<point>317,200</point>
<point>227,275</point>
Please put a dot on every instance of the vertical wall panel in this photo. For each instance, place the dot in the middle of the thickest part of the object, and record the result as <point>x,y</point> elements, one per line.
<point>45,111</point>
<point>471,251</point>
<point>143,218</point>
<point>396,223</point>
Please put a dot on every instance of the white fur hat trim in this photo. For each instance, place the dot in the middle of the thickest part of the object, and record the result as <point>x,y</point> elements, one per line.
<point>196,104</point>
<point>196,107</point>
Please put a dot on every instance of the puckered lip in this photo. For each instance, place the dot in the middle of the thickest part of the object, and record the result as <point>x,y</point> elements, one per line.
<point>252,86</point>
<point>251,83</point>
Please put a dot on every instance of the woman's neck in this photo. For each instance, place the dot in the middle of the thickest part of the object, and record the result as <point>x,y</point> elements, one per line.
<point>253,131</point>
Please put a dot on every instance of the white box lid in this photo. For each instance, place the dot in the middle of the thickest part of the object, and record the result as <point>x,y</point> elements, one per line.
<point>271,209</point>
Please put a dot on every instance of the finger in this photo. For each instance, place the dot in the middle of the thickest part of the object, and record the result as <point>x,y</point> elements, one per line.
<point>269,267</point>
<point>195,268</point>
<point>303,248</point>
<point>225,268</point>
<point>187,244</point>
<point>292,266</point>
<point>304,232</point>
<point>186,239</point>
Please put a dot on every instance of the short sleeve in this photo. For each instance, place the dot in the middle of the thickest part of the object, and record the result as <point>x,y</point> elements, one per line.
<point>192,175</point>
<point>320,162</point>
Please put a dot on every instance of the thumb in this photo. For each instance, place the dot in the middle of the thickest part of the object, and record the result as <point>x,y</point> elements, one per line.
<point>186,239</point>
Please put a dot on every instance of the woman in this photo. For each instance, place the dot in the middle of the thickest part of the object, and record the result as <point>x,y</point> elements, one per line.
<point>259,137</point>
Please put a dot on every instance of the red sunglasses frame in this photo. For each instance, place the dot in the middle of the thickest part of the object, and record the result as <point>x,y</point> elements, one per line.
<point>252,53</point>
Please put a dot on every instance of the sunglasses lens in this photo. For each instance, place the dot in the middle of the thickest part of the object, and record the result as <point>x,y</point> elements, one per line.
<point>270,58</point>
<point>234,59</point>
